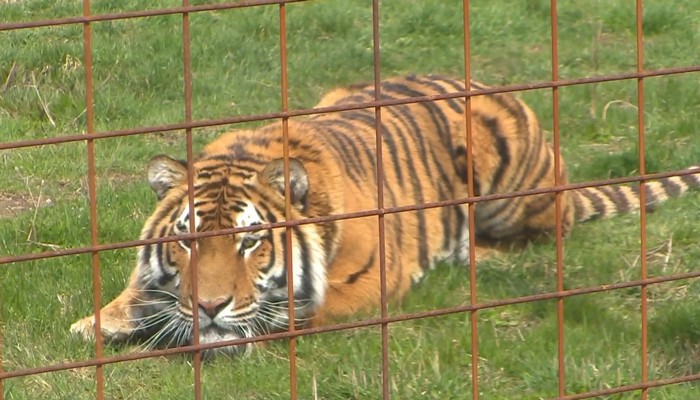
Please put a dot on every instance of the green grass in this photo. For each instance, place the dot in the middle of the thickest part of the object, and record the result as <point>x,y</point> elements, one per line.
<point>235,64</point>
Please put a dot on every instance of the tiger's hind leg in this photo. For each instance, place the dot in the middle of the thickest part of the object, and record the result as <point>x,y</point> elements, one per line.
<point>541,215</point>
<point>117,323</point>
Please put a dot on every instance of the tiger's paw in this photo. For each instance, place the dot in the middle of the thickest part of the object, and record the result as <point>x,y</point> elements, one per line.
<point>113,330</point>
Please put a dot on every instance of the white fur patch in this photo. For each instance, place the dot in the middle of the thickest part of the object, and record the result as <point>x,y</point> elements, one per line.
<point>248,217</point>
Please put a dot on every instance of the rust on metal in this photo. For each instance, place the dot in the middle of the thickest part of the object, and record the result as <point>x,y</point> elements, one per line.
<point>92,198</point>
<point>187,72</point>
<point>384,308</point>
<point>372,104</point>
<point>289,260</point>
<point>642,199</point>
<point>559,235</point>
<point>338,217</point>
<point>141,13</point>
<point>353,325</point>
<point>473,317</point>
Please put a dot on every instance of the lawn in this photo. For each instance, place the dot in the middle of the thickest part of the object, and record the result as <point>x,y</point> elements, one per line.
<point>138,81</point>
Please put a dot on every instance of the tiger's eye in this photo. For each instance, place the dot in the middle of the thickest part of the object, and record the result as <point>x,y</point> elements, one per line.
<point>248,242</point>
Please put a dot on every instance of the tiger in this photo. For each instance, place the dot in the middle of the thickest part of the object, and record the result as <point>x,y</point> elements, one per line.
<point>239,182</point>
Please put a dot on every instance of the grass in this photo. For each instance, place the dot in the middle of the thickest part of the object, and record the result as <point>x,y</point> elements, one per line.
<point>235,65</point>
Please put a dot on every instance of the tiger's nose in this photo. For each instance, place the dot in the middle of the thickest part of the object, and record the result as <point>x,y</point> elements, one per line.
<point>213,308</point>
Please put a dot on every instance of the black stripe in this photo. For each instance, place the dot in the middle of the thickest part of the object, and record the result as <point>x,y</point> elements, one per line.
<point>368,119</point>
<point>261,140</point>
<point>543,172</point>
<point>650,196</point>
<point>402,114</point>
<point>352,278</point>
<point>693,181</point>
<point>456,84</point>
<point>418,197</point>
<point>271,262</point>
<point>146,254</point>
<point>460,221</point>
<point>539,177</point>
<point>452,103</point>
<point>446,218</point>
<point>671,188</point>
<point>397,133</point>
<point>546,201</point>
<point>501,148</point>
<point>343,146</point>
<point>523,129</point>
<point>596,202</point>
<point>436,115</point>
<point>503,220</point>
<point>614,193</point>
<point>166,276</point>
<point>281,281</point>
<point>307,287</point>
<point>357,140</point>
<point>509,207</point>
<point>245,168</point>
<point>311,154</point>
<point>173,217</point>
<point>244,175</point>
<point>578,204</point>
<point>406,117</point>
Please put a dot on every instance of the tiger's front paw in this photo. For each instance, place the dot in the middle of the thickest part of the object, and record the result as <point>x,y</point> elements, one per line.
<point>112,330</point>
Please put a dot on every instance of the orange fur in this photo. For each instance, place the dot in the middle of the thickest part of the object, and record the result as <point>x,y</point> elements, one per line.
<point>239,182</point>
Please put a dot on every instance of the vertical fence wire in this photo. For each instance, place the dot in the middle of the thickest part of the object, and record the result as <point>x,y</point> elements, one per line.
<point>384,307</point>
<point>92,199</point>
<point>187,81</point>
<point>284,94</point>
<point>473,316</point>
<point>561,366</point>
<point>642,196</point>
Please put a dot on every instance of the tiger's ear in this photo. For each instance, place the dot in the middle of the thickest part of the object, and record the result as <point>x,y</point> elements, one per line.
<point>164,173</point>
<point>273,175</point>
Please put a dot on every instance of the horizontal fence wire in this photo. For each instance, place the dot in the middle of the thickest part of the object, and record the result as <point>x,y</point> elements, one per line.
<point>350,215</point>
<point>372,104</point>
<point>140,14</point>
<point>188,125</point>
<point>356,324</point>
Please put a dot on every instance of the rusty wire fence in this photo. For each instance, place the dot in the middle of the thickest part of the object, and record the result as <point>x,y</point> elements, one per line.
<point>88,20</point>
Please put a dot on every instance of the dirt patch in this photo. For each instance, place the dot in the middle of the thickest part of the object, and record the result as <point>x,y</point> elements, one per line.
<point>12,204</point>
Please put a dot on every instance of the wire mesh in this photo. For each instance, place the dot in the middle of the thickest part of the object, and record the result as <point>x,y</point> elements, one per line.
<point>385,319</point>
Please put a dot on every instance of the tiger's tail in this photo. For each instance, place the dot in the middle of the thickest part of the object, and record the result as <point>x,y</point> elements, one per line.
<point>607,201</point>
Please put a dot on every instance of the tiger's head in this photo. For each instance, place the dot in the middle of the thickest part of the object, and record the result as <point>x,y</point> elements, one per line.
<point>242,288</point>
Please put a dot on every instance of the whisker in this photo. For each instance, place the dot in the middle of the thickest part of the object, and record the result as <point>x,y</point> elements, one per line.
<point>283,313</point>
<point>160,291</point>
<point>144,303</point>
<point>157,315</point>
<point>165,331</point>
<point>155,320</point>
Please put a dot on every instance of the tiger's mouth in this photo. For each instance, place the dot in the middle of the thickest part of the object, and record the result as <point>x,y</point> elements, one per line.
<point>215,334</point>
<point>164,322</point>
<point>171,327</point>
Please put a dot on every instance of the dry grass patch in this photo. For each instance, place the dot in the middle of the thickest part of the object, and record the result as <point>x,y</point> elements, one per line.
<point>13,204</point>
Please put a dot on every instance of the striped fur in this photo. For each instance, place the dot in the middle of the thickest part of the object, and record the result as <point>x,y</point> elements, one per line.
<point>238,182</point>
